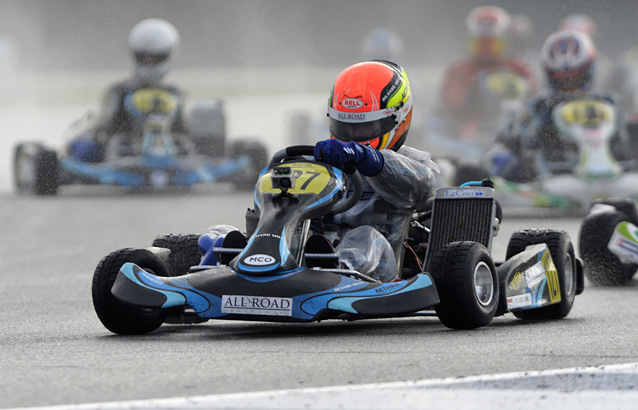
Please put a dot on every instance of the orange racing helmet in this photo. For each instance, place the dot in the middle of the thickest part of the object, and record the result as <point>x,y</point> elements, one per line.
<point>371,104</point>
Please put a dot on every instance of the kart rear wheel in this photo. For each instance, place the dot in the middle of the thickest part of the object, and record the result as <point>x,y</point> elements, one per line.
<point>116,316</point>
<point>258,157</point>
<point>35,170</point>
<point>625,205</point>
<point>562,252</point>
<point>467,284</point>
<point>601,266</point>
<point>468,171</point>
<point>184,249</point>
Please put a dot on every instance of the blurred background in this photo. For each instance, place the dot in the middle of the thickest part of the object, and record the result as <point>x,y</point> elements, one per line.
<point>266,59</point>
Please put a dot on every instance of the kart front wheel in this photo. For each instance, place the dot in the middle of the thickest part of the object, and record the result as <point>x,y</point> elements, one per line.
<point>258,158</point>
<point>562,252</point>
<point>116,316</point>
<point>467,283</point>
<point>35,170</point>
<point>601,266</point>
<point>184,249</point>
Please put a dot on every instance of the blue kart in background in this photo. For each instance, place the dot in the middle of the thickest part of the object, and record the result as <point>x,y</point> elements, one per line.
<point>156,159</point>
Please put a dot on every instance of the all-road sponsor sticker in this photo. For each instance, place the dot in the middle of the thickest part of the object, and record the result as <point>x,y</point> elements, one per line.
<point>257,305</point>
<point>518,301</point>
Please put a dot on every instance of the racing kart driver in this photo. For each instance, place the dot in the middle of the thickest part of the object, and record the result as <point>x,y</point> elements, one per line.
<point>370,110</point>
<point>152,43</point>
<point>461,106</point>
<point>568,59</point>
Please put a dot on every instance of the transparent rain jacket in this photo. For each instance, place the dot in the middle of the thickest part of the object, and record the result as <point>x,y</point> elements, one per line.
<point>389,199</point>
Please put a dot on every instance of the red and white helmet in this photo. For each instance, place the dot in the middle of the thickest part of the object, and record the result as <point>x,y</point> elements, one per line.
<point>568,59</point>
<point>487,27</point>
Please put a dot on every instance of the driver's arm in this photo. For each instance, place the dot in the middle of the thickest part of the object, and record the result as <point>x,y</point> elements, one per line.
<point>408,178</point>
<point>109,111</point>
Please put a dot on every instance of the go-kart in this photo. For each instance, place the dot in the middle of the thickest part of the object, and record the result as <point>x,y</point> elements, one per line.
<point>279,271</point>
<point>501,95</point>
<point>608,241</point>
<point>593,170</point>
<point>155,159</point>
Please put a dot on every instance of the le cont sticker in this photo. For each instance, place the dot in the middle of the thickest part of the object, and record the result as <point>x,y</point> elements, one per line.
<point>257,305</point>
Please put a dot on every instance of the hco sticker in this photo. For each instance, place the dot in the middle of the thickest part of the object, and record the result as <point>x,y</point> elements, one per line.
<point>259,260</point>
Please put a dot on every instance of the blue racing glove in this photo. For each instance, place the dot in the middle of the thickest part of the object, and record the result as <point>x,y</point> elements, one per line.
<point>368,160</point>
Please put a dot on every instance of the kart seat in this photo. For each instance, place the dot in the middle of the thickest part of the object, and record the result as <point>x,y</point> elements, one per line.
<point>319,253</point>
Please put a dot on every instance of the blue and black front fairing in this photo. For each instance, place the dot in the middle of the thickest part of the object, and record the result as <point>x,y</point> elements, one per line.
<point>299,295</point>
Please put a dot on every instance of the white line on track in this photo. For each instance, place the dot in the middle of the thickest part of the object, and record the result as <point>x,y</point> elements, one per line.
<point>609,387</point>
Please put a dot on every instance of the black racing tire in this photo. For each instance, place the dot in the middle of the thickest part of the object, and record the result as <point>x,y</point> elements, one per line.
<point>258,156</point>
<point>184,249</point>
<point>117,316</point>
<point>467,283</point>
<point>562,251</point>
<point>499,211</point>
<point>468,171</point>
<point>42,177</point>
<point>624,205</point>
<point>602,267</point>
<point>18,180</point>
<point>47,173</point>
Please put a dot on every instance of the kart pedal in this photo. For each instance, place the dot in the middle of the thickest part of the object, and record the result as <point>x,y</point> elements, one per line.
<point>233,239</point>
<point>320,253</point>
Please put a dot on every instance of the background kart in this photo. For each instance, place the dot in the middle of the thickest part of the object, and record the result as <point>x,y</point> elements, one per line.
<point>590,170</point>
<point>157,159</point>
<point>279,272</point>
<point>608,240</point>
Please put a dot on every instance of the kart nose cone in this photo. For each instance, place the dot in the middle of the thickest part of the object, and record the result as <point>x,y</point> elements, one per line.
<point>483,284</point>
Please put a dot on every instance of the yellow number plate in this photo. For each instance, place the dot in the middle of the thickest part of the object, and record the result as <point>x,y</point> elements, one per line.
<point>148,100</point>
<point>586,112</point>
<point>309,179</point>
<point>507,84</point>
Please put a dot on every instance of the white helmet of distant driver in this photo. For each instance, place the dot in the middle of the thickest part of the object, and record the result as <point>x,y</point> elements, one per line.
<point>152,42</point>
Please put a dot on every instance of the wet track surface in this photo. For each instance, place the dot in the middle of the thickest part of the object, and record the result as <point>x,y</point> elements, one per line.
<point>54,350</point>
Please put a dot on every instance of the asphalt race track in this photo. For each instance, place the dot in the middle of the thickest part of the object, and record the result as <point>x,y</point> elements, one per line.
<point>54,350</point>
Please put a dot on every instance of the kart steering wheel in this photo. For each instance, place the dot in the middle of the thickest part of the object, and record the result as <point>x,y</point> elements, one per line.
<point>351,171</point>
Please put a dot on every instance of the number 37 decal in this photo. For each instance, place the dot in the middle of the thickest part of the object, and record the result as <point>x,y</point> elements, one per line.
<point>309,179</point>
